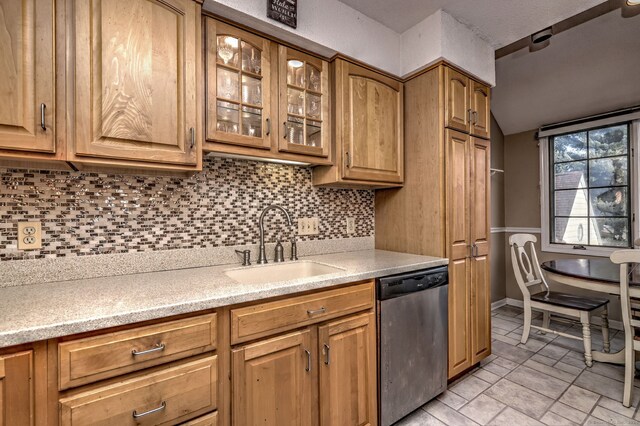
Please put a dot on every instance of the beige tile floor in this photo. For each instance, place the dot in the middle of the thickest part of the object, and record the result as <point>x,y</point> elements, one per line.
<point>544,382</point>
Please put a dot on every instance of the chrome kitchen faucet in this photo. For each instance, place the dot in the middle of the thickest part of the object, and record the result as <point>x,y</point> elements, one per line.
<point>262,257</point>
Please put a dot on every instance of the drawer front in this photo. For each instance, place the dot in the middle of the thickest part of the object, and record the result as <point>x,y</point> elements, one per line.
<point>264,319</point>
<point>165,397</point>
<point>206,420</point>
<point>91,359</point>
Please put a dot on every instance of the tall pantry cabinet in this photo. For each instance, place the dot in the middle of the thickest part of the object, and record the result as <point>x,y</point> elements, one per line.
<point>443,208</point>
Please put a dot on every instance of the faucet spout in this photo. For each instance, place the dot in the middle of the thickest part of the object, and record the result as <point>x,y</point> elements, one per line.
<point>262,257</point>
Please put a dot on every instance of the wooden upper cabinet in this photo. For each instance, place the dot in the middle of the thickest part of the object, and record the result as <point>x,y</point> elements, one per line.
<point>372,124</point>
<point>238,86</point>
<point>272,381</point>
<point>348,391</point>
<point>17,389</point>
<point>368,127</point>
<point>457,103</point>
<point>27,76</point>
<point>481,110</point>
<point>303,107</point>
<point>135,88</point>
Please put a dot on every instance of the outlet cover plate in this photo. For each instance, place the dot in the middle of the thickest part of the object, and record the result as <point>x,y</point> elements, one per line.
<point>351,225</point>
<point>29,235</point>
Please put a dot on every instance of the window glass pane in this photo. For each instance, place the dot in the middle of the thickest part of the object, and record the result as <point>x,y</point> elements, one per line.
<point>610,232</point>
<point>571,175</point>
<point>608,141</point>
<point>570,147</point>
<point>252,122</point>
<point>228,84</point>
<point>591,187</point>
<point>571,230</point>
<point>608,171</point>
<point>572,202</point>
<point>608,201</point>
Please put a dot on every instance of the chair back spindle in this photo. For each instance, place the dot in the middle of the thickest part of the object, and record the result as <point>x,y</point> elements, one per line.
<point>526,266</point>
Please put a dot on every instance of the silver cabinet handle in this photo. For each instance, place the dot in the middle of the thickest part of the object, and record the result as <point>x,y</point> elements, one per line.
<point>475,117</point>
<point>285,129</point>
<point>322,310</point>
<point>162,406</point>
<point>43,123</point>
<point>157,348</point>
<point>192,133</point>
<point>474,250</point>
<point>470,113</point>
<point>308,368</point>
<point>268,127</point>
<point>327,352</point>
<point>348,159</point>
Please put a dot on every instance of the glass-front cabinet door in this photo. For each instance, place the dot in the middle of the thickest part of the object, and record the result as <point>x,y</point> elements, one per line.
<point>303,103</point>
<point>238,86</point>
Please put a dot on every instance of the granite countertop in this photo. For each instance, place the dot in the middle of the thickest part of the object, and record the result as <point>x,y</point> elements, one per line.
<point>43,311</point>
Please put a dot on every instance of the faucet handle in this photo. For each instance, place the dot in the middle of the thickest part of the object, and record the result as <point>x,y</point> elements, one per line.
<point>279,256</point>
<point>294,249</point>
<point>246,257</point>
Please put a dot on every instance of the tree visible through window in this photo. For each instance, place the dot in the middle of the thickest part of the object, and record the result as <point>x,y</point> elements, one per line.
<point>590,190</point>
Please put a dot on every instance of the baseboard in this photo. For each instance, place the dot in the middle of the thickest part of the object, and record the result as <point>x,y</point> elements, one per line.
<point>498,303</point>
<point>596,319</point>
<point>514,302</point>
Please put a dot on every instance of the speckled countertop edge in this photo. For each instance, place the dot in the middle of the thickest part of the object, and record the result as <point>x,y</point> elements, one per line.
<point>45,311</point>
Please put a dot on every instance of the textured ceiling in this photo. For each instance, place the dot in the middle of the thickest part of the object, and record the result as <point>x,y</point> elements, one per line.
<point>500,22</point>
<point>589,69</point>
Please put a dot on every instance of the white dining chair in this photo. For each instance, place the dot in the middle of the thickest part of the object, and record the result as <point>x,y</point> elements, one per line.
<point>624,258</point>
<point>526,268</point>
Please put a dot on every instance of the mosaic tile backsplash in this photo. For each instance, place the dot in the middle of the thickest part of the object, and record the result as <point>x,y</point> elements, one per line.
<point>91,213</point>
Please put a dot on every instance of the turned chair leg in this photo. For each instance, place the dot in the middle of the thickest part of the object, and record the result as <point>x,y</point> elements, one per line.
<point>586,337</point>
<point>527,324</point>
<point>606,345</point>
<point>546,320</point>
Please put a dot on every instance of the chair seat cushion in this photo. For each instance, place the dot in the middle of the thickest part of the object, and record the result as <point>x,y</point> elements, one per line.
<point>569,300</point>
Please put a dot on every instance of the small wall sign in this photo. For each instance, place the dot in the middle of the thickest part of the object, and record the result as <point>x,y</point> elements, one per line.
<point>285,11</point>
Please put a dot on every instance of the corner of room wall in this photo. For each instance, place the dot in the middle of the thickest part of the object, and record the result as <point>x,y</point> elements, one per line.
<point>468,50</point>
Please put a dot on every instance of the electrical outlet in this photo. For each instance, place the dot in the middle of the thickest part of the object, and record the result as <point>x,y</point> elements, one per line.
<point>29,235</point>
<point>351,225</point>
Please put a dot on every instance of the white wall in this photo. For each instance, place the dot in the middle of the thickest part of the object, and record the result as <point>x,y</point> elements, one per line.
<point>329,26</point>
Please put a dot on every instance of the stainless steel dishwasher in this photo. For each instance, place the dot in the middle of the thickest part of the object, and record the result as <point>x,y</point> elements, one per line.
<point>412,352</point>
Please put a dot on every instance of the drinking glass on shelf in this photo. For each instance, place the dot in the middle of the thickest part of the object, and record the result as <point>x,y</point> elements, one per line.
<point>227,49</point>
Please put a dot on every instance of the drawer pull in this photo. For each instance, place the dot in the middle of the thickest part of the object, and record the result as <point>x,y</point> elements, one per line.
<point>146,413</point>
<point>157,348</point>
<point>322,310</point>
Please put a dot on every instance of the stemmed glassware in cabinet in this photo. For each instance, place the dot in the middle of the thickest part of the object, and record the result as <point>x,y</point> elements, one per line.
<point>304,104</point>
<point>239,87</point>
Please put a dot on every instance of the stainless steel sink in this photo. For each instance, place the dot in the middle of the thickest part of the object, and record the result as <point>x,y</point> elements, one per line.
<point>281,272</point>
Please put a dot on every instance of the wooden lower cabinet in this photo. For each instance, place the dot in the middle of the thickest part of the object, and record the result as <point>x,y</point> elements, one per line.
<point>459,316</point>
<point>210,419</point>
<point>480,309</point>
<point>164,397</point>
<point>272,381</point>
<point>17,389</point>
<point>325,372</point>
<point>348,371</point>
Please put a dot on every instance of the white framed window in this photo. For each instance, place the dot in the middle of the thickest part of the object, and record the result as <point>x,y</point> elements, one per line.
<point>589,186</point>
